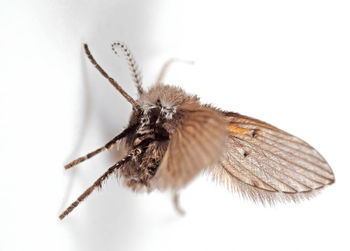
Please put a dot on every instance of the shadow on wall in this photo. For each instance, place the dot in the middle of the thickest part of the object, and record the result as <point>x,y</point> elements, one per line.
<point>109,217</point>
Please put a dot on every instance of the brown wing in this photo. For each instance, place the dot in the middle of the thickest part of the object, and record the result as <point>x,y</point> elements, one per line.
<point>197,143</point>
<point>267,164</point>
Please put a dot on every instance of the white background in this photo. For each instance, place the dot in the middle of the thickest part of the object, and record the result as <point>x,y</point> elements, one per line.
<point>285,62</point>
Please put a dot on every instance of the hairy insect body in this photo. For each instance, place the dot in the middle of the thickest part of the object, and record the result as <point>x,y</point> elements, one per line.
<point>155,123</point>
<point>152,140</point>
<point>172,137</point>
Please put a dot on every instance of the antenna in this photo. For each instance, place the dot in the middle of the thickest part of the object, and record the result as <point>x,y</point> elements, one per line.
<point>132,64</point>
<point>111,80</point>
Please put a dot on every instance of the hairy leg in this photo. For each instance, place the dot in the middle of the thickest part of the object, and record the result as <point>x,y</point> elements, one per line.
<point>107,146</point>
<point>166,67</point>
<point>178,209</point>
<point>98,182</point>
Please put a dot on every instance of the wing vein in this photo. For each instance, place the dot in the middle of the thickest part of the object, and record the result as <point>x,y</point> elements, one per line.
<point>238,162</point>
<point>292,163</point>
<point>293,148</point>
<point>286,153</point>
<point>279,171</point>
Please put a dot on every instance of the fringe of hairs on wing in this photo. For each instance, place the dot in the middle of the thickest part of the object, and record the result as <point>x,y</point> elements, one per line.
<point>223,177</point>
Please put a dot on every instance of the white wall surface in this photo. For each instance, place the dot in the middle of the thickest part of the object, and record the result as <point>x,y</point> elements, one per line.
<point>285,62</point>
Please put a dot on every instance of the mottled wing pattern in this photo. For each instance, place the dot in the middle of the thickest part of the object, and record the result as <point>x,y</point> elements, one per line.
<point>198,142</point>
<point>266,164</point>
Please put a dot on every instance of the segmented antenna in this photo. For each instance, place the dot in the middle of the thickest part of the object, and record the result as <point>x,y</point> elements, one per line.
<point>136,74</point>
<point>111,80</point>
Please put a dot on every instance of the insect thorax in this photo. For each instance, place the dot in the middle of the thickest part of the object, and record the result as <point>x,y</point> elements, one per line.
<point>152,138</point>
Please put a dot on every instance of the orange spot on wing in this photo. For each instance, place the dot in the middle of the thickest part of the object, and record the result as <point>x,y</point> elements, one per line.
<point>236,129</point>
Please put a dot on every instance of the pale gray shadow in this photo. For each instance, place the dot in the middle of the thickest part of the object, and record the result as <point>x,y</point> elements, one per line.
<point>85,118</point>
<point>110,216</point>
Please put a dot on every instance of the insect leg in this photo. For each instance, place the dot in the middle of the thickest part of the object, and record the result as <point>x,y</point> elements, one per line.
<point>178,209</point>
<point>108,146</point>
<point>166,66</point>
<point>98,182</point>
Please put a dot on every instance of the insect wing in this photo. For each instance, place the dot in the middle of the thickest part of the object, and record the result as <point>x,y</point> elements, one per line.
<point>197,143</point>
<point>267,164</point>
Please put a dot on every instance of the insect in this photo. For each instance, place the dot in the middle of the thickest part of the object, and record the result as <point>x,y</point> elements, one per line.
<point>171,138</point>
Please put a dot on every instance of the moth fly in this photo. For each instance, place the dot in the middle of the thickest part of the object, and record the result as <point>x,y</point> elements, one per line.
<point>171,138</point>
